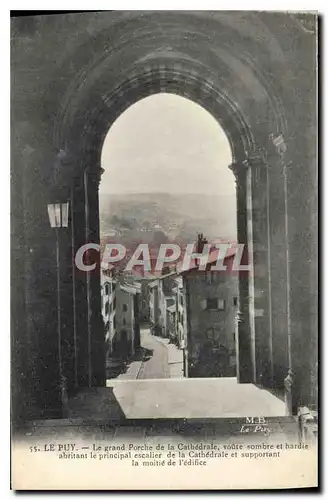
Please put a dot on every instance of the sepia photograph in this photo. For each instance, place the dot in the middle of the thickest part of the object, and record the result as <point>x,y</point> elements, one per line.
<point>164,250</point>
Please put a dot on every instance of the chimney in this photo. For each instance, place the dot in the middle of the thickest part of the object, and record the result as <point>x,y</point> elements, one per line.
<point>201,242</point>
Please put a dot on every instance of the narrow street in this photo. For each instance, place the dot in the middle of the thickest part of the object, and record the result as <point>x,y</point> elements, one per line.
<point>155,360</point>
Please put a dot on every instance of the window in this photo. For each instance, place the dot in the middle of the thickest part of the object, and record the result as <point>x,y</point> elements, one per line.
<point>125,307</point>
<point>107,289</point>
<point>213,304</point>
<point>113,286</point>
<point>221,304</point>
<point>124,321</point>
<point>235,301</point>
<point>106,308</point>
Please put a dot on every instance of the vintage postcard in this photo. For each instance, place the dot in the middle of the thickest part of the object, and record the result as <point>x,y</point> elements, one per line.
<point>164,250</point>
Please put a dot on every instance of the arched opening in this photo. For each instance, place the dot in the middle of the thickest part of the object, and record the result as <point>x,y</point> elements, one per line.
<point>166,183</point>
<point>203,355</point>
<point>234,71</point>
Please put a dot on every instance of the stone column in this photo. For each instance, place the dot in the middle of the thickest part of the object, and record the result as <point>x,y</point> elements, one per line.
<point>65,300</point>
<point>278,258</point>
<point>81,309</point>
<point>88,239</point>
<point>73,250</point>
<point>262,268</point>
<point>281,149</point>
<point>243,337</point>
<point>96,335</point>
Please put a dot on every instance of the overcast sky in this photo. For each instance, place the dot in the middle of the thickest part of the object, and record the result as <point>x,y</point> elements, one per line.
<point>165,143</point>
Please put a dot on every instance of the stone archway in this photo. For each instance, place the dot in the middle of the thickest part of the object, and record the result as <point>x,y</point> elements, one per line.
<point>229,63</point>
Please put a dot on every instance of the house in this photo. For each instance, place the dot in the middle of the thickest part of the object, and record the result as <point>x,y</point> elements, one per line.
<point>153,305</point>
<point>181,313</point>
<point>166,317</point>
<point>211,310</point>
<point>161,297</point>
<point>108,308</point>
<point>171,322</point>
<point>127,319</point>
<point>144,303</point>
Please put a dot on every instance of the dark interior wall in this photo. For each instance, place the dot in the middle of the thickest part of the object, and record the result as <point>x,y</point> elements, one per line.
<point>300,163</point>
<point>303,231</point>
<point>20,372</point>
<point>72,76</point>
<point>33,243</point>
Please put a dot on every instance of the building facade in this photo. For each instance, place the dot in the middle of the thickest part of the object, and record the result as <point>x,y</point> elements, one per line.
<point>181,313</point>
<point>127,319</point>
<point>210,330</point>
<point>153,306</point>
<point>161,300</point>
<point>144,312</point>
<point>108,309</point>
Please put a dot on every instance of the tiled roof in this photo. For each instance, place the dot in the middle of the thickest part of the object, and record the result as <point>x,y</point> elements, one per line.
<point>213,257</point>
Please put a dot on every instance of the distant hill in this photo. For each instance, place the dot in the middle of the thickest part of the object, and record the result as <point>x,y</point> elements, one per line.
<point>141,216</point>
